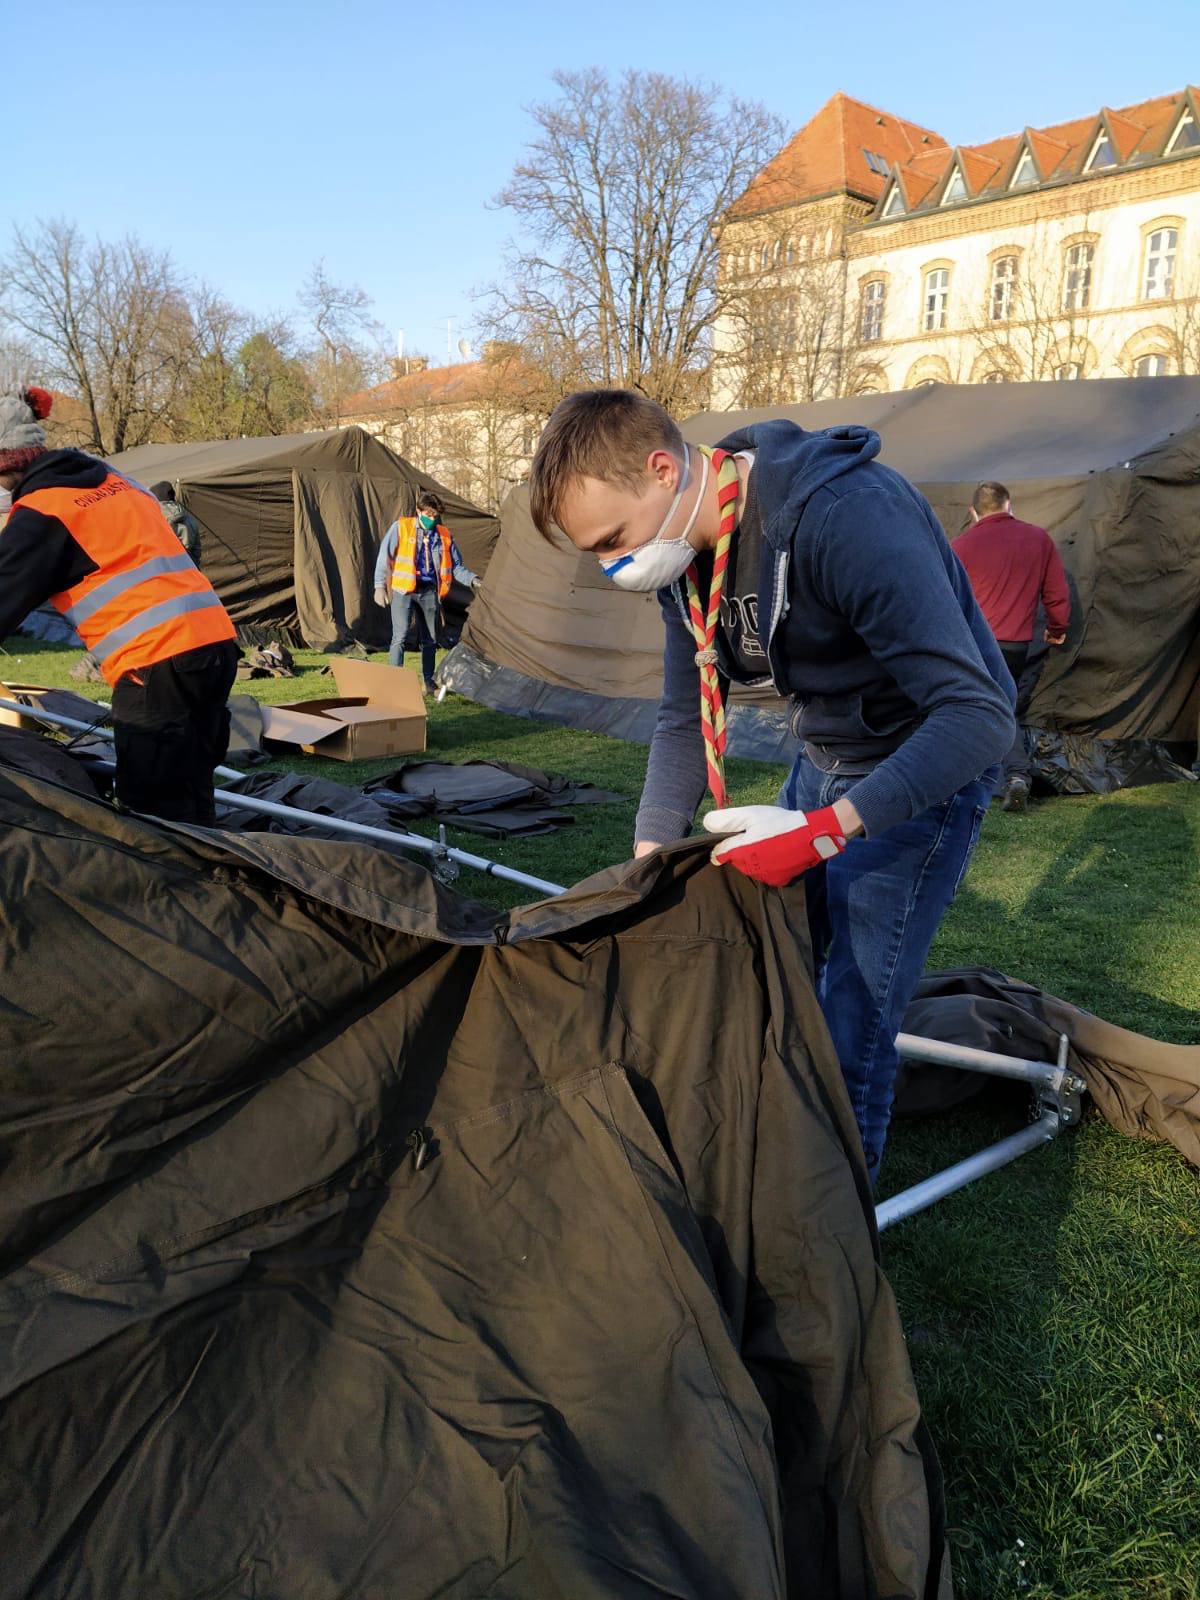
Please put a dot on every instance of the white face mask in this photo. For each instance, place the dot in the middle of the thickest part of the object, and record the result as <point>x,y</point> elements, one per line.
<point>660,561</point>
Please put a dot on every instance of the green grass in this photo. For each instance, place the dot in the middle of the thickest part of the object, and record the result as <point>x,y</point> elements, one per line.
<point>1052,1310</point>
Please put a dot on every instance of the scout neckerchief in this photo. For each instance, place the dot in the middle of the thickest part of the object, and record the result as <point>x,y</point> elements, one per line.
<point>703,625</point>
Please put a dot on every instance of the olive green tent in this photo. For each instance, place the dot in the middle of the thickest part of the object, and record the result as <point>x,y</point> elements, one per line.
<point>290,525</point>
<point>1111,467</point>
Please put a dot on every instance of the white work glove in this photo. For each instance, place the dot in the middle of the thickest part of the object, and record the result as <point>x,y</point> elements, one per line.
<point>773,845</point>
<point>381,595</point>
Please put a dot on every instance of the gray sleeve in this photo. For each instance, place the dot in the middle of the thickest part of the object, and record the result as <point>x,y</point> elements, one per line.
<point>386,556</point>
<point>676,776</point>
<point>462,572</point>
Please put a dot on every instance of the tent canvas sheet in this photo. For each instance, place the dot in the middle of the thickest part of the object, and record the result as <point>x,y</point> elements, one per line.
<point>290,526</point>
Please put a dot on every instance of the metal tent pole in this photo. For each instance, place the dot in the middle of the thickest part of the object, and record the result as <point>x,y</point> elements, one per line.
<point>357,830</point>
<point>1057,1102</point>
<point>1048,1126</point>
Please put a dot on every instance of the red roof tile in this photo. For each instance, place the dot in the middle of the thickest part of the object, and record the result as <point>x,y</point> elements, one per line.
<point>828,155</point>
<point>1126,133</point>
<point>459,384</point>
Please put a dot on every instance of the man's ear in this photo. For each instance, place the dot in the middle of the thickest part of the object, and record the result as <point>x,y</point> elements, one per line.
<point>659,464</point>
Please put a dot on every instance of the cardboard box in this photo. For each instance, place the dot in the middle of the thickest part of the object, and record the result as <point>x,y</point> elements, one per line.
<point>85,711</point>
<point>378,711</point>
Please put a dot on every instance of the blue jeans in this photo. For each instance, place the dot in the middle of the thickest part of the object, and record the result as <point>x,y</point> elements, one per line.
<point>873,912</point>
<point>426,602</point>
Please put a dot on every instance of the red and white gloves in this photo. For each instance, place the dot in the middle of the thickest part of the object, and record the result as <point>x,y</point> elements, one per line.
<point>772,845</point>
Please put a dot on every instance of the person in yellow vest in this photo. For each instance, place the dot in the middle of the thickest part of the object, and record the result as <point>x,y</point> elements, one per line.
<point>97,547</point>
<point>417,561</point>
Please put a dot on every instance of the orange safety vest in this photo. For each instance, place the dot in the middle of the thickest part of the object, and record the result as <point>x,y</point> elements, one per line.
<point>147,600</point>
<point>404,568</point>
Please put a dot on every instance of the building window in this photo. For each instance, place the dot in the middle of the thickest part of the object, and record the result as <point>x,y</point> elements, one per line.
<point>956,189</point>
<point>937,299</point>
<point>1150,367</point>
<point>764,256</point>
<point>876,162</point>
<point>1158,278</point>
<point>895,203</point>
<point>790,252</point>
<point>994,377</point>
<point>1068,370</point>
<point>1026,171</point>
<point>870,323</point>
<point>1004,284</point>
<point>1186,135</point>
<point>1103,154</point>
<point>1077,283</point>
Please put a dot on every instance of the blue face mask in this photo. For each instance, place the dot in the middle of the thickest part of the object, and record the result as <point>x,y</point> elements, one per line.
<point>426,522</point>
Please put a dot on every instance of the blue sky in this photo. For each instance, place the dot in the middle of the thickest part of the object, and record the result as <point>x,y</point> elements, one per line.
<point>251,139</point>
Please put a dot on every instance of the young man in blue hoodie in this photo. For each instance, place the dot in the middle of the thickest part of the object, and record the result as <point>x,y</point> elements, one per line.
<point>839,587</point>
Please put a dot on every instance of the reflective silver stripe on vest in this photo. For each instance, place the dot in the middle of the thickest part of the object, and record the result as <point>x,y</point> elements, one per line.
<point>112,587</point>
<point>163,612</point>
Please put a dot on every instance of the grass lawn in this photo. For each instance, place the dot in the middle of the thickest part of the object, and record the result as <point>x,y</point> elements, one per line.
<point>1052,1310</point>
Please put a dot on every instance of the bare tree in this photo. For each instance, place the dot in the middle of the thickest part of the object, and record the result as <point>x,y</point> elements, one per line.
<point>210,401</point>
<point>18,364</point>
<point>108,322</point>
<point>1181,320</point>
<point>347,339</point>
<point>1031,325</point>
<point>478,436</point>
<point>623,196</point>
<point>784,331</point>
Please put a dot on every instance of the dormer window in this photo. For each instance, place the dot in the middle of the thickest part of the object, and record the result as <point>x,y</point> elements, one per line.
<point>1103,154</point>
<point>956,189</point>
<point>895,203</point>
<point>1026,172</point>
<point>1186,135</point>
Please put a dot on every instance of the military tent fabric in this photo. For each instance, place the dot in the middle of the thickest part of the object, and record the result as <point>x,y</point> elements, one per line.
<point>549,636</point>
<point>362,1240</point>
<point>1143,1087</point>
<point>1110,466</point>
<point>291,526</point>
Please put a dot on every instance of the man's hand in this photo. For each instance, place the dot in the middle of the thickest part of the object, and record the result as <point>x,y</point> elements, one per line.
<point>645,847</point>
<point>1054,638</point>
<point>773,845</point>
<point>381,595</point>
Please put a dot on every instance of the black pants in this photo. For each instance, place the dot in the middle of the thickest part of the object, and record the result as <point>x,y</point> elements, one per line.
<point>1015,653</point>
<point>171,727</point>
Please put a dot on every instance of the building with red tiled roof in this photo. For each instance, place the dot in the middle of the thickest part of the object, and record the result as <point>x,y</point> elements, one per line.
<point>889,257</point>
<point>471,425</point>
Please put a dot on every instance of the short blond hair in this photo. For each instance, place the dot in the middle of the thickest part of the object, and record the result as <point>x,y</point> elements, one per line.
<point>596,433</point>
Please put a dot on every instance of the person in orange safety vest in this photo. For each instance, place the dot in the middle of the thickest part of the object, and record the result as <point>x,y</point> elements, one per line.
<point>97,547</point>
<point>417,560</point>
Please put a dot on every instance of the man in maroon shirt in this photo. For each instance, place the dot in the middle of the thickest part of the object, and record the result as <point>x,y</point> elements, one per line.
<point>1012,565</point>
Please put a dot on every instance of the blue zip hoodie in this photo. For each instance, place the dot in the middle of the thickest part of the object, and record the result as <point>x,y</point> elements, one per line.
<point>869,625</point>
